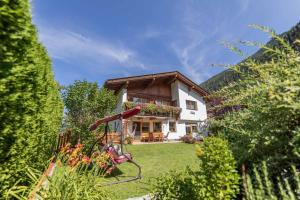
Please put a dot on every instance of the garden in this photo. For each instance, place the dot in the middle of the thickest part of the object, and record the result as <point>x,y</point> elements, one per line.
<point>253,151</point>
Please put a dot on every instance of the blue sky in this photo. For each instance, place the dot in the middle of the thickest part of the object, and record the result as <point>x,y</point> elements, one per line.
<point>97,40</point>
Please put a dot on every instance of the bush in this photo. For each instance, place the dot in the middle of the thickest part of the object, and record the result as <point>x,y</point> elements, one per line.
<point>174,185</point>
<point>267,125</point>
<point>188,139</point>
<point>216,177</point>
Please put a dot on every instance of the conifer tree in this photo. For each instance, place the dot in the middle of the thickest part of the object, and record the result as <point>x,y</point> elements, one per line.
<point>30,103</point>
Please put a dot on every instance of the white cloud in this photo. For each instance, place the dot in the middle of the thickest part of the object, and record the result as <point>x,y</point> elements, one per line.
<point>151,33</point>
<point>198,36</point>
<point>188,44</point>
<point>73,47</point>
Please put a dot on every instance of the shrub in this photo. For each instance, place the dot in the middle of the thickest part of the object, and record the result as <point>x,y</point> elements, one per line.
<point>174,185</point>
<point>216,177</point>
<point>188,139</point>
<point>267,126</point>
<point>259,186</point>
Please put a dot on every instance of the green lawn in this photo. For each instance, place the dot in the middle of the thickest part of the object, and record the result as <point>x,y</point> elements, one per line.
<point>155,159</point>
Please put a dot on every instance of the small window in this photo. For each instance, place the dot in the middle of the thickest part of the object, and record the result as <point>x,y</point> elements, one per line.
<point>191,105</point>
<point>191,128</point>
<point>140,100</point>
<point>158,102</point>
<point>188,129</point>
<point>194,128</point>
<point>162,102</point>
<point>145,127</point>
<point>172,126</point>
<point>157,127</point>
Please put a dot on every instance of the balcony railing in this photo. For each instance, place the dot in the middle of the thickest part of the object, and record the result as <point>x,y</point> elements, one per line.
<point>150,109</point>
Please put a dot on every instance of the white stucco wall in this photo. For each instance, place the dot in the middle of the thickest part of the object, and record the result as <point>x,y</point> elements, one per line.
<point>175,91</point>
<point>122,97</point>
<point>185,94</point>
<point>180,129</point>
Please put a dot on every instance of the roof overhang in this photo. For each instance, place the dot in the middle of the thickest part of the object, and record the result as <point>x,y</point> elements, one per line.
<point>148,79</point>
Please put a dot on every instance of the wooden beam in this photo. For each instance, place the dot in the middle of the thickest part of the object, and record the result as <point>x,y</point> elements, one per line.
<point>191,88</point>
<point>124,85</point>
<point>150,83</point>
<point>172,80</point>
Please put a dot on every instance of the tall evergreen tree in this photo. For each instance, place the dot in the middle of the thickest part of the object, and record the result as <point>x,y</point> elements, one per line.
<point>30,103</point>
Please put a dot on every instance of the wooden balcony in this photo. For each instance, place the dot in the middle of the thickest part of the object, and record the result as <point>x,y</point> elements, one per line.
<point>151,109</point>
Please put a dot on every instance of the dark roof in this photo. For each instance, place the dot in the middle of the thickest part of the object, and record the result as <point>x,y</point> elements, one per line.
<point>117,83</point>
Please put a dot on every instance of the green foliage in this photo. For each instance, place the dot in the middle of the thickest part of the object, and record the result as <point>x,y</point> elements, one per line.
<point>30,104</point>
<point>267,128</point>
<point>175,185</point>
<point>65,184</point>
<point>259,186</point>
<point>150,108</point>
<point>216,177</point>
<point>85,102</point>
<point>229,76</point>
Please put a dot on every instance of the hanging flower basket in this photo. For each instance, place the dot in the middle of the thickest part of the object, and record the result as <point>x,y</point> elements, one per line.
<point>153,109</point>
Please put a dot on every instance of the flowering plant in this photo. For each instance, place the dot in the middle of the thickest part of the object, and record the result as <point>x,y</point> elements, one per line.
<point>98,162</point>
<point>150,108</point>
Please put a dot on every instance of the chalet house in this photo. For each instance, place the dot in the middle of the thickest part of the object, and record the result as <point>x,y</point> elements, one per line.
<point>171,103</point>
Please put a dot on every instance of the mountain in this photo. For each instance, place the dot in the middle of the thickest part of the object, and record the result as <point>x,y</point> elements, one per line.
<point>227,76</point>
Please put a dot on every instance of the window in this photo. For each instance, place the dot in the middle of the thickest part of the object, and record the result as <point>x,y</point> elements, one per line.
<point>194,128</point>
<point>157,127</point>
<point>191,105</point>
<point>162,102</point>
<point>191,128</point>
<point>188,129</point>
<point>140,100</point>
<point>172,126</point>
<point>145,127</point>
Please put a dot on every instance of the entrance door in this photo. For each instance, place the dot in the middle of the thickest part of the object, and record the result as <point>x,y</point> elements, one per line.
<point>137,127</point>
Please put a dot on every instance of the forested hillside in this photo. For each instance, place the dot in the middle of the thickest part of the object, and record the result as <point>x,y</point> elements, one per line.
<point>224,78</point>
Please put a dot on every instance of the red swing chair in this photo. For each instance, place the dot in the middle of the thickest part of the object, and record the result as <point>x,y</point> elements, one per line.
<point>117,156</point>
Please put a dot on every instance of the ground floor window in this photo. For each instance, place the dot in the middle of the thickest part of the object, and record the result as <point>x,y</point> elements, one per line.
<point>157,126</point>
<point>145,127</point>
<point>191,128</point>
<point>172,126</point>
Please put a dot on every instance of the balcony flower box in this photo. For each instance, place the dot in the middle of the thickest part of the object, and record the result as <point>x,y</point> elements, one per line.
<point>154,109</point>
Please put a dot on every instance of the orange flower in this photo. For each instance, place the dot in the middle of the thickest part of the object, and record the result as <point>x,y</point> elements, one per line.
<point>110,170</point>
<point>86,160</point>
<point>73,162</point>
<point>79,146</point>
